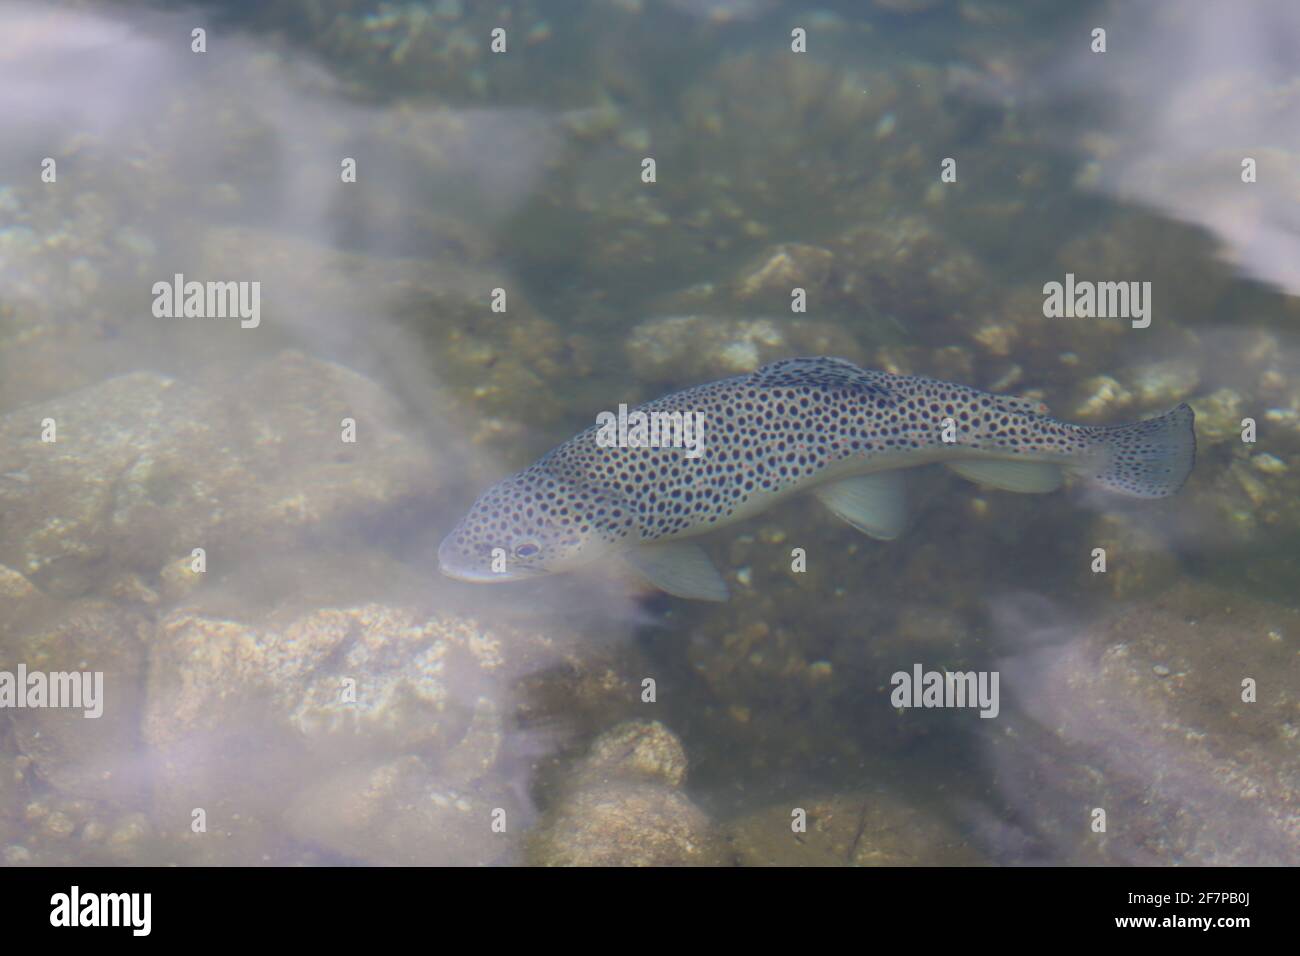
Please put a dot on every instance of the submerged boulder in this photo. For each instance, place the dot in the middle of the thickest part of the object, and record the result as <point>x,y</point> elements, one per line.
<point>145,468</point>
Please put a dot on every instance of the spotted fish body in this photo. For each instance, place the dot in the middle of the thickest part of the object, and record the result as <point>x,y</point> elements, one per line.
<point>807,424</point>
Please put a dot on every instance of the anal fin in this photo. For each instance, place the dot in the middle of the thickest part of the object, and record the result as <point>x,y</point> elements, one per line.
<point>874,504</point>
<point>680,568</point>
<point>1028,477</point>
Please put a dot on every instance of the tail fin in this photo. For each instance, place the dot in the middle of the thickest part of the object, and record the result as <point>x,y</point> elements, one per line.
<point>1149,459</point>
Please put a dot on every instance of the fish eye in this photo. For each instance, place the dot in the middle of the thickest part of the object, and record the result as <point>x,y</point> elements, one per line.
<point>526,550</point>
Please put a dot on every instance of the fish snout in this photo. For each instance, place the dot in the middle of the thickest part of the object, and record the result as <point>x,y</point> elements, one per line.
<point>480,563</point>
<point>455,560</point>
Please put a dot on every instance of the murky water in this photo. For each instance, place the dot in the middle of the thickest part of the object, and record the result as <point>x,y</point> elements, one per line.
<point>222,519</point>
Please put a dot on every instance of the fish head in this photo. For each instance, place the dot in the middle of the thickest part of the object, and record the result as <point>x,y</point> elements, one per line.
<point>527,525</point>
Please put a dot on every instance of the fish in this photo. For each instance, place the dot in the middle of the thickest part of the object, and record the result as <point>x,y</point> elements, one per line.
<point>818,425</point>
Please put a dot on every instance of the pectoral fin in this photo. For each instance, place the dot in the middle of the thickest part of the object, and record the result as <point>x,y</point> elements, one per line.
<point>680,568</point>
<point>1031,477</point>
<point>874,504</point>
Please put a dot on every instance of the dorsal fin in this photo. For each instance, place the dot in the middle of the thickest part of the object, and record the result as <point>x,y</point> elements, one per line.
<point>824,371</point>
<point>1030,406</point>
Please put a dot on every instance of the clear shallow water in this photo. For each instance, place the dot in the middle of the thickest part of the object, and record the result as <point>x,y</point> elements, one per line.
<point>322,695</point>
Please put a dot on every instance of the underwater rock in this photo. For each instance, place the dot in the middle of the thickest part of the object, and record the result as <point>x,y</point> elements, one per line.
<point>755,130</point>
<point>626,824</point>
<point>622,807</point>
<point>722,11</point>
<point>1164,383</point>
<point>252,118</point>
<point>126,839</point>
<point>442,46</point>
<point>1133,246</point>
<point>1151,387</point>
<point>1140,559</point>
<point>437,314</point>
<point>40,358</point>
<point>66,831</point>
<point>909,270</point>
<point>905,7</point>
<point>775,124</point>
<point>56,500</point>
<point>15,588</point>
<point>697,348</point>
<point>798,672</point>
<point>781,269</point>
<point>20,602</point>
<point>1219,415</point>
<point>11,795</point>
<point>1104,396</point>
<point>146,468</point>
<point>637,750</point>
<point>1245,493</point>
<point>403,813</point>
<point>246,719</point>
<point>1053,352</point>
<point>872,828</point>
<point>79,755</point>
<point>178,578</point>
<point>1143,715</point>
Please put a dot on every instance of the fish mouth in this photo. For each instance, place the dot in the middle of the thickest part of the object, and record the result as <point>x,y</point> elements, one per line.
<point>450,567</point>
<point>475,576</point>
